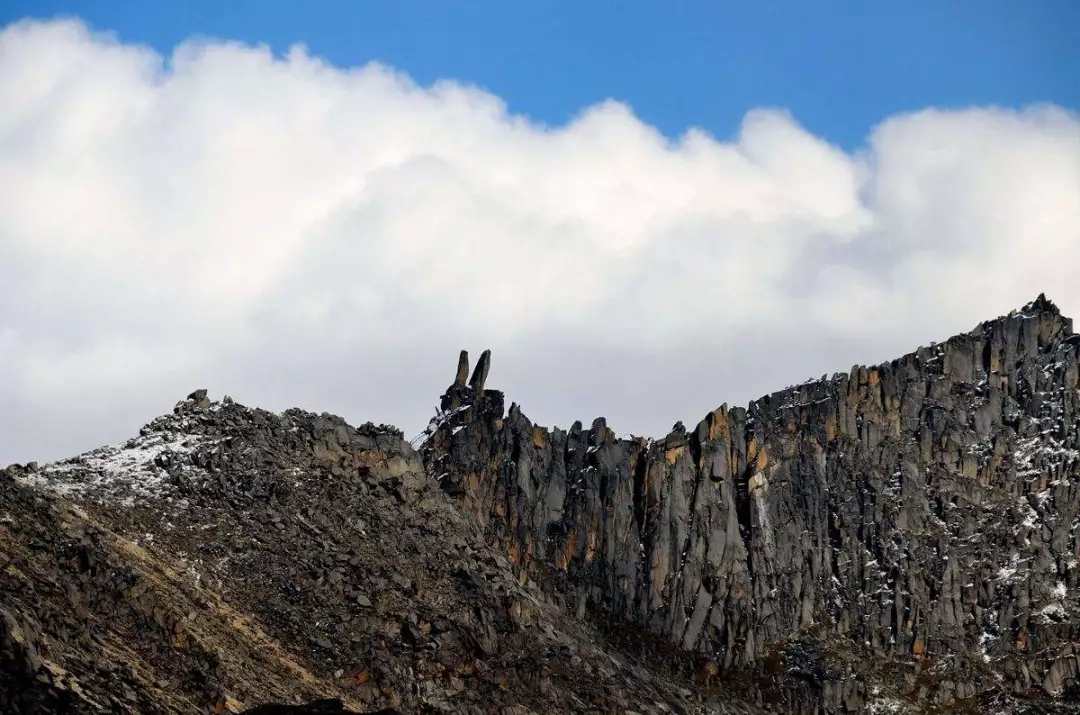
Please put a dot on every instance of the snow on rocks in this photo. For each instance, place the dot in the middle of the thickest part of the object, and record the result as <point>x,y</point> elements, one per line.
<point>138,471</point>
<point>1037,455</point>
<point>132,472</point>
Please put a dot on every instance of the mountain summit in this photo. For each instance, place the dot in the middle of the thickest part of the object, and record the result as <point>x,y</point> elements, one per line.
<point>899,538</point>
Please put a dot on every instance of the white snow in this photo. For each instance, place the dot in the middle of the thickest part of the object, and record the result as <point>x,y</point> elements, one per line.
<point>1031,520</point>
<point>1007,574</point>
<point>1056,607</point>
<point>1034,455</point>
<point>440,419</point>
<point>886,706</point>
<point>986,640</point>
<point>124,473</point>
<point>1053,609</point>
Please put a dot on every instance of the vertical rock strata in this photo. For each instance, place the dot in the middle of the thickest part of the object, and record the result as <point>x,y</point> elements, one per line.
<point>921,511</point>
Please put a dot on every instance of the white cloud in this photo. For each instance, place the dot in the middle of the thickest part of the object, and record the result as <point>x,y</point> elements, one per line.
<point>296,233</point>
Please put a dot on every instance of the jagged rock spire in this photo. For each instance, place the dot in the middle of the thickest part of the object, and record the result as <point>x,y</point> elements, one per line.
<point>479,376</point>
<point>460,393</point>
<point>1042,304</point>
<point>462,369</point>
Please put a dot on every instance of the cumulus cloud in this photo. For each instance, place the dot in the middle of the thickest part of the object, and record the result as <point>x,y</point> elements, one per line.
<point>290,232</point>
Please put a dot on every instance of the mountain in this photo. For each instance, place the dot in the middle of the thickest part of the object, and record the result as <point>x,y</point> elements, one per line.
<point>900,538</point>
<point>227,557</point>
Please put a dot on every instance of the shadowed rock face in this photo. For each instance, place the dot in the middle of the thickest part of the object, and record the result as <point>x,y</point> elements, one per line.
<point>911,526</point>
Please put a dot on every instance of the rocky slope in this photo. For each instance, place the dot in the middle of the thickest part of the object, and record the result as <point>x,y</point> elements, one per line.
<point>229,558</point>
<point>902,538</point>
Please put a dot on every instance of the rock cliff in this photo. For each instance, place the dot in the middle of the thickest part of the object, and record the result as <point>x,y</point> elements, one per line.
<point>899,539</point>
<point>900,535</point>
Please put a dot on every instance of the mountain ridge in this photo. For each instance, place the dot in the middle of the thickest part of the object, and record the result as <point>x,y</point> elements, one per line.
<point>899,538</point>
<point>636,527</point>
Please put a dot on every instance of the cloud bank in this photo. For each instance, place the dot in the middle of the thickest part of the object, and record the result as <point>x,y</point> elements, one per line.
<point>294,233</point>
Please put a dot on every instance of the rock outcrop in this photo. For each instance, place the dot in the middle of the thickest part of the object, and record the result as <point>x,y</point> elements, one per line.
<point>904,535</point>
<point>229,559</point>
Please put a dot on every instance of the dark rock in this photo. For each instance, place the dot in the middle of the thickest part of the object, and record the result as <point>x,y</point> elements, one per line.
<point>924,511</point>
<point>479,376</point>
<point>462,370</point>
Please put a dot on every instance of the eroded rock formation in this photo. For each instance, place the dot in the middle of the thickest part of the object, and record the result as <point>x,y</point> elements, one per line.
<point>918,518</point>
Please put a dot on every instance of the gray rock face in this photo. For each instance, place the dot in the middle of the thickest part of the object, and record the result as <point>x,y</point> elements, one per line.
<point>904,534</point>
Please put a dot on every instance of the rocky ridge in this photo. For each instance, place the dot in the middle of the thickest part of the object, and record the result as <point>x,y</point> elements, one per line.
<point>900,537</point>
<point>228,558</point>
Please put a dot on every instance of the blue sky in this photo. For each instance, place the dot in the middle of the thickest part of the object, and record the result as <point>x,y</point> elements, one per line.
<point>839,66</point>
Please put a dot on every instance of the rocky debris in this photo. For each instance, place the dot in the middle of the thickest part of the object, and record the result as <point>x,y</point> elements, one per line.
<point>318,707</point>
<point>229,558</point>
<point>899,538</point>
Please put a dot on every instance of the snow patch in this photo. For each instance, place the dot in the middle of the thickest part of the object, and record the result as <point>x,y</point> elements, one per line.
<point>1007,574</point>
<point>133,472</point>
<point>441,418</point>
<point>1056,607</point>
<point>1035,455</point>
<point>886,706</point>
